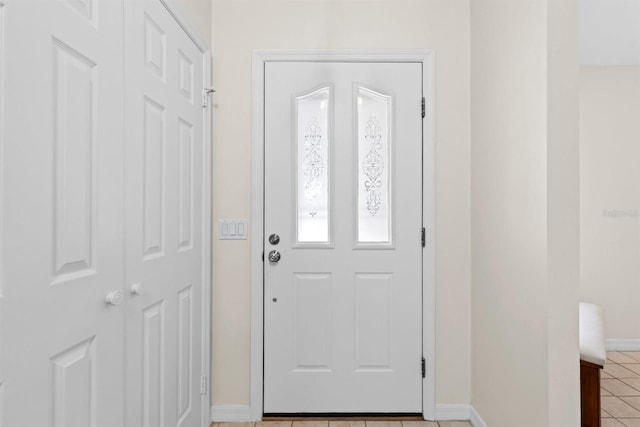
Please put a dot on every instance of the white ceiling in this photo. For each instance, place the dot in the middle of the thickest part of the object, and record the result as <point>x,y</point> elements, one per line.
<point>609,32</point>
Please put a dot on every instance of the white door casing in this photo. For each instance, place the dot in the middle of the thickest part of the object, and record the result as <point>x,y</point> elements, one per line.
<point>165,240</point>
<point>62,142</point>
<point>343,190</point>
<point>260,60</point>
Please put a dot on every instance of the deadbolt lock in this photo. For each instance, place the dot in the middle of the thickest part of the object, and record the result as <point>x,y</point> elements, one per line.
<point>274,239</point>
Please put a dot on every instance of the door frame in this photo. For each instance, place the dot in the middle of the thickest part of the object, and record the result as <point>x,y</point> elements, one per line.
<point>260,58</point>
<point>203,46</point>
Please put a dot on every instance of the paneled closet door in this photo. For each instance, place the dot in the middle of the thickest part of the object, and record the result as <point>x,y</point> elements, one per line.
<point>62,213</point>
<point>164,193</point>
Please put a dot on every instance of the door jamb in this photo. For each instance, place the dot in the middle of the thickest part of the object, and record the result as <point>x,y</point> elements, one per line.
<point>260,58</point>
<point>203,47</point>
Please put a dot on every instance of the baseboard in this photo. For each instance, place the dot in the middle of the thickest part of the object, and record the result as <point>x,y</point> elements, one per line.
<point>231,413</point>
<point>622,344</point>
<point>452,412</point>
<point>475,418</point>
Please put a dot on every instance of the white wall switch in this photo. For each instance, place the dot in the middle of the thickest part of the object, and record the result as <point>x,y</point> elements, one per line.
<point>232,229</point>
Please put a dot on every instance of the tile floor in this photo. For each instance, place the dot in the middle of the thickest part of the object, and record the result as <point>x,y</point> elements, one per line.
<point>347,423</point>
<point>620,390</point>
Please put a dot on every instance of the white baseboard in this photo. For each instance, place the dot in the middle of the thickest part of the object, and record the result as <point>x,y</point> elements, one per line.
<point>452,412</point>
<point>622,345</point>
<point>231,413</point>
<point>459,412</point>
<point>475,418</point>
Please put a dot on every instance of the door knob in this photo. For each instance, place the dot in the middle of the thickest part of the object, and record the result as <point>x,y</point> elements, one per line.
<point>137,288</point>
<point>274,256</point>
<point>114,298</point>
<point>274,239</point>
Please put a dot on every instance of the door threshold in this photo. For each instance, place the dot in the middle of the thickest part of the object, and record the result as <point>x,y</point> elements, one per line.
<point>333,416</point>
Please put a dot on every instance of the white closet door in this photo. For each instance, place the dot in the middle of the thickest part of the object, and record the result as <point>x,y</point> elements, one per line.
<point>163,122</point>
<point>62,213</point>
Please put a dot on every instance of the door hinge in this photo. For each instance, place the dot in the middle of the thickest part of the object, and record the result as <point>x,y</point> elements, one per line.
<point>424,237</point>
<point>424,107</point>
<point>205,96</point>
<point>203,384</point>
<point>424,368</point>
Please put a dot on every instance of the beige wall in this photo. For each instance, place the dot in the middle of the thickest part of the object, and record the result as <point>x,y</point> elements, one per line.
<point>524,210</point>
<point>610,195</point>
<point>198,12</point>
<point>239,27</point>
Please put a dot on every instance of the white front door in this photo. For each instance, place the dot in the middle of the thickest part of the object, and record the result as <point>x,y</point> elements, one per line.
<point>343,195</point>
<point>164,207</point>
<point>62,213</point>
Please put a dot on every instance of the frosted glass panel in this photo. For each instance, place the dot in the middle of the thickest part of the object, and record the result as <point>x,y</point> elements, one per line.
<point>374,166</point>
<point>313,166</point>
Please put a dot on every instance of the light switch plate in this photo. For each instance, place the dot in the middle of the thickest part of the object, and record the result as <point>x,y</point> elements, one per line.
<point>232,229</point>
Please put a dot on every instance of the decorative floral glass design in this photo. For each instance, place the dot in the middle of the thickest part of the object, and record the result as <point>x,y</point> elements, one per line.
<point>374,166</point>
<point>313,166</point>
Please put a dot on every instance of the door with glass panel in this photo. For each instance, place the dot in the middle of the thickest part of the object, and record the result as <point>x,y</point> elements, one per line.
<point>343,252</point>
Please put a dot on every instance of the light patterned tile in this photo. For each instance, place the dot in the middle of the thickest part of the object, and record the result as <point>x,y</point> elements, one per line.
<point>633,382</point>
<point>619,371</point>
<point>620,358</point>
<point>236,425</point>
<point>419,424</point>
<point>384,424</point>
<point>634,367</point>
<point>618,388</point>
<point>604,392</point>
<point>310,424</point>
<point>350,423</point>
<point>454,423</point>
<point>633,354</point>
<point>633,401</point>
<point>273,424</point>
<point>611,422</point>
<point>617,408</point>
<point>630,422</point>
<point>604,414</point>
<point>604,374</point>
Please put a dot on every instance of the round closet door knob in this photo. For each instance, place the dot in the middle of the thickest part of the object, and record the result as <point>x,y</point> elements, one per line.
<point>137,289</point>
<point>114,298</point>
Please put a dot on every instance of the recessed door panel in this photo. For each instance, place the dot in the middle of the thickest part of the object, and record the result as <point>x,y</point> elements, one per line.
<point>73,390</point>
<point>154,47</point>
<point>185,352</point>
<point>153,365</point>
<point>186,76</point>
<point>185,195</point>
<point>85,8</point>
<point>75,134</point>
<point>312,322</point>
<point>373,321</point>
<point>154,179</point>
